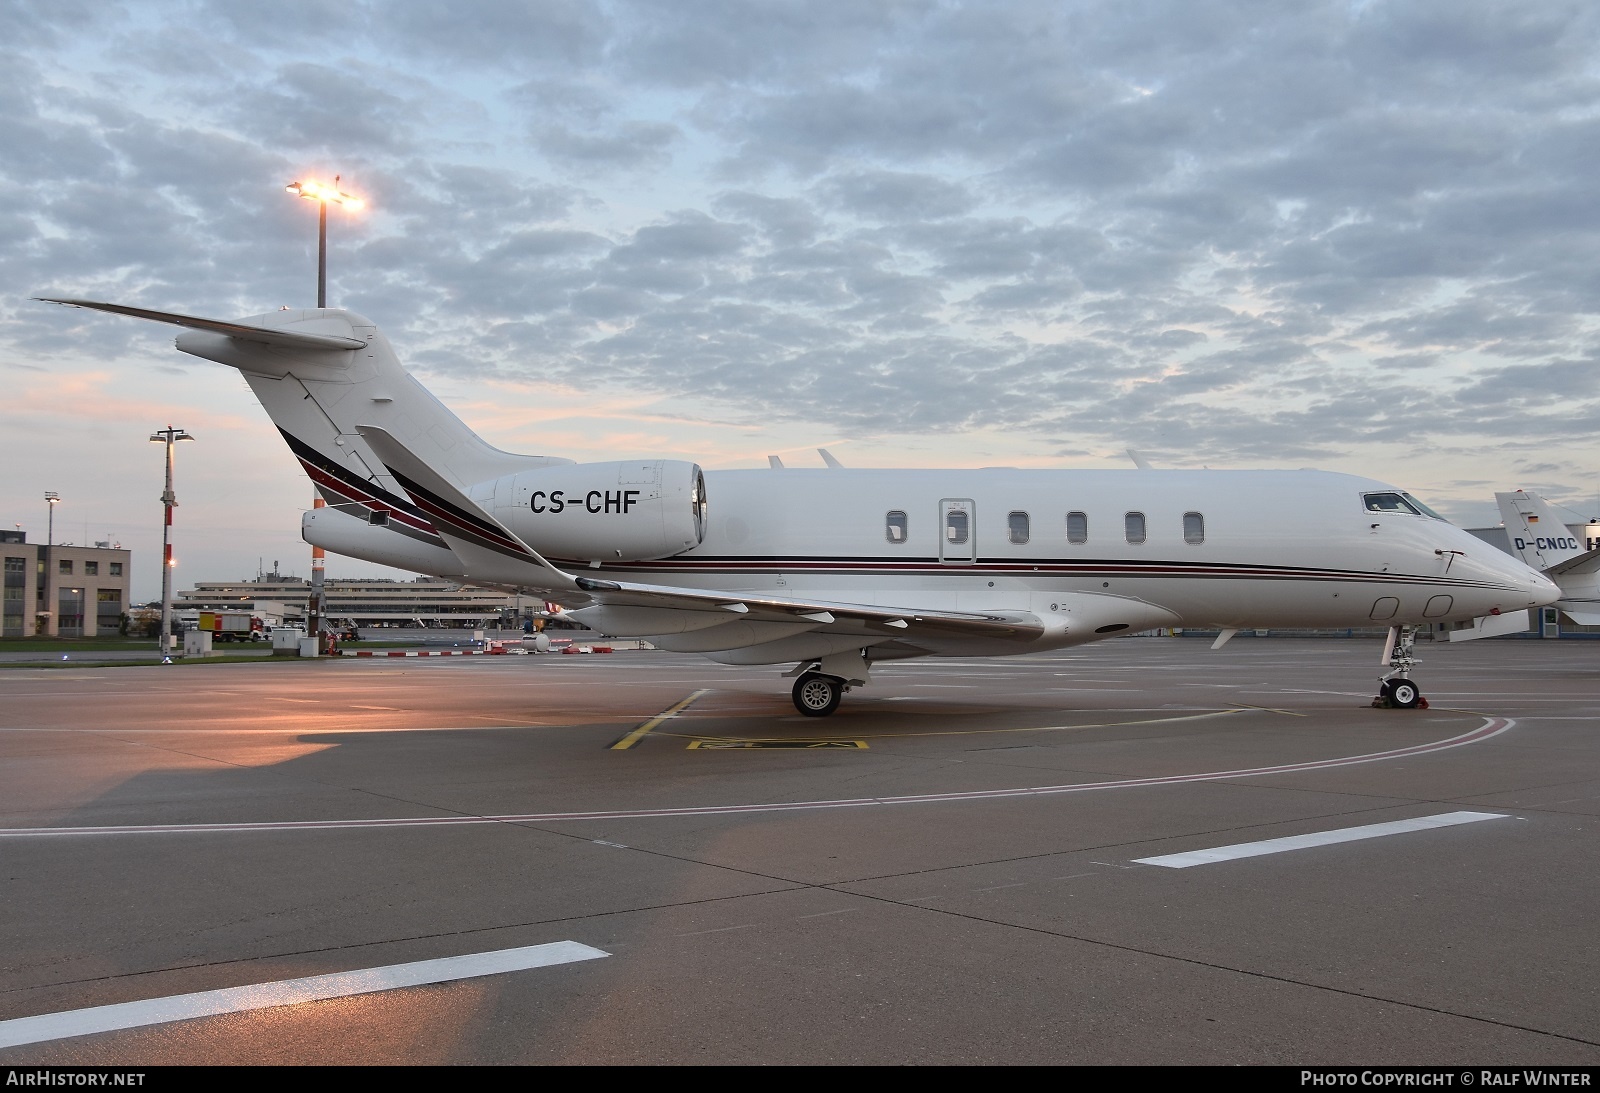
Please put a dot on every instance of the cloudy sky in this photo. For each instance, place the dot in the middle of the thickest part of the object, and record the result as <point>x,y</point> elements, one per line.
<point>1362,236</point>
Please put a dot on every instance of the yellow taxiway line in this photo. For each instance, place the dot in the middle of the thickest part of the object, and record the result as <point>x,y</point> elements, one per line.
<point>644,730</point>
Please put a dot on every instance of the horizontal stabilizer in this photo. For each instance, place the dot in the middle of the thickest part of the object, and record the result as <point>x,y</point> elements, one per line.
<point>244,332</point>
<point>1584,563</point>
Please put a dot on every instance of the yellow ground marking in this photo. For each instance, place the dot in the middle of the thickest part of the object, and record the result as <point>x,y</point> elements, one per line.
<point>644,730</point>
<point>1269,709</point>
<point>705,741</point>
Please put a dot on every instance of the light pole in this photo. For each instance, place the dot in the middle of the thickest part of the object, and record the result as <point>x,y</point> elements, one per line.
<point>322,193</point>
<point>51,500</point>
<point>169,501</point>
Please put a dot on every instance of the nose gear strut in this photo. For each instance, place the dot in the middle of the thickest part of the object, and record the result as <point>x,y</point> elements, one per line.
<point>1396,691</point>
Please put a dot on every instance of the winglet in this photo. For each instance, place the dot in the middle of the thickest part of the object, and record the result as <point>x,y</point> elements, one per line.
<point>489,550</point>
<point>827,457</point>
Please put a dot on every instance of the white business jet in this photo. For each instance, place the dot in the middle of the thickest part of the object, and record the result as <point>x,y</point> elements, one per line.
<point>833,569</point>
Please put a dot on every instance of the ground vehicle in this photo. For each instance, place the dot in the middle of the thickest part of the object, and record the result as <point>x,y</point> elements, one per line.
<point>232,626</point>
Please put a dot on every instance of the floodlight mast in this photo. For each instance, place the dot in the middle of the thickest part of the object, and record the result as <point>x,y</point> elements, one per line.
<point>321,193</point>
<point>51,500</point>
<point>169,501</point>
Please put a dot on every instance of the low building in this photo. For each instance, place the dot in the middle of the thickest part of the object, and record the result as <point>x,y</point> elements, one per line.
<point>424,602</point>
<point>62,590</point>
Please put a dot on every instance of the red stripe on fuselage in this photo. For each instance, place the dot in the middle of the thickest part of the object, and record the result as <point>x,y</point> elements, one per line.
<point>361,497</point>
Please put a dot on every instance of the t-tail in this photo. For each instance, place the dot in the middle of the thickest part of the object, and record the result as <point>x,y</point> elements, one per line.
<point>1541,539</point>
<point>321,374</point>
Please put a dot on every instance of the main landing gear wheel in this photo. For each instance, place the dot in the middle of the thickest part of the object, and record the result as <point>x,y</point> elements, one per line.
<point>1402,694</point>
<point>817,695</point>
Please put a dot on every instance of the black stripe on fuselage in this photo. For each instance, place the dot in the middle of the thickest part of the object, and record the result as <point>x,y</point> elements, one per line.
<point>346,477</point>
<point>1082,567</point>
<point>466,524</point>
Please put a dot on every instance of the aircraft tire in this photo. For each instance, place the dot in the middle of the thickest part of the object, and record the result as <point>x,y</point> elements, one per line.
<point>1403,694</point>
<point>817,695</point>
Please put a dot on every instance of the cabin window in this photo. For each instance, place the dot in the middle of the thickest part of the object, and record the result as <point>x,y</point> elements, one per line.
<point>1133,527</point>
<point>1077,527</point>
<point>1017,524</point>
<point>894,527</point>
<point>1194,528</point>
<point>955,526</point>
<point>378,518</point>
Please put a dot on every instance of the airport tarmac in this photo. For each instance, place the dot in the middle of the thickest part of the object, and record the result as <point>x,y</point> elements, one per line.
<point>955,868</point>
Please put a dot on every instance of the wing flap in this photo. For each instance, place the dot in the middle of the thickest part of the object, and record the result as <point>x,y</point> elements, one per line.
<point>244,332</point>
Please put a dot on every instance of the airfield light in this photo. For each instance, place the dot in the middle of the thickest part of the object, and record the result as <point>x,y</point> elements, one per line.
<point>169,501</point>
<point>322,193</point>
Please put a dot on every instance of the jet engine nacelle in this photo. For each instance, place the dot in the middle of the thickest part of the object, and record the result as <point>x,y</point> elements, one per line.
<point>605,512</point>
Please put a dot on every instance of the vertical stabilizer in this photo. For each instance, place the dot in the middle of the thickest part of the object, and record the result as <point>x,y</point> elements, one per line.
<point>1538,536</point>
<point>320,372</point>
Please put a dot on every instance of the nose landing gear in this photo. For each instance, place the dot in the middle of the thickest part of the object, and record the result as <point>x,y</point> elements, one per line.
<point>1396,691</point>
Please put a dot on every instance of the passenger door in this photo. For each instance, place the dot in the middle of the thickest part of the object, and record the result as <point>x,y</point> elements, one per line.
<point>958,531</point>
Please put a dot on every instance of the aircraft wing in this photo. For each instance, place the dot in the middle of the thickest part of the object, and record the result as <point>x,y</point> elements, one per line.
<point>244,332</point>
<point>886,622</point>
<point>493,553</point>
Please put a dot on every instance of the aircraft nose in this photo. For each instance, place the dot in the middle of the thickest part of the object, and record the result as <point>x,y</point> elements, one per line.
<point>1509,573</point>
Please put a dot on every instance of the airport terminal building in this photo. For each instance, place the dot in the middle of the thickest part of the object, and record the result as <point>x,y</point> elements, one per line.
<point>62,590</point>
<point>424,602</point>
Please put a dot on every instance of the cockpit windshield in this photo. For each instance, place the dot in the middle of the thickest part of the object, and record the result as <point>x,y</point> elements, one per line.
<point>1398,502</point>
<point>1426,511</point>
